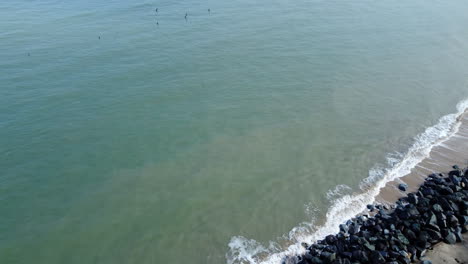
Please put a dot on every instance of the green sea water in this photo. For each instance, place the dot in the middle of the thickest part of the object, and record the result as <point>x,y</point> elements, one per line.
<point>134,136</point>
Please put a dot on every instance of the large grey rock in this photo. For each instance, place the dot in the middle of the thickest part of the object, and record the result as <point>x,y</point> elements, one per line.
<point>437,208</point>
<point>434,235</point>
<point>450,238</point>
<point>328,256</point>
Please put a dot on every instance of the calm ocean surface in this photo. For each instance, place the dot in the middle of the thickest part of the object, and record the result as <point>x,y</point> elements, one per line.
<point>215,139</point>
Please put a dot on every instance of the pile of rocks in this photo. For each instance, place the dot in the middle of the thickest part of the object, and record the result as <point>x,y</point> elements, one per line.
<point>402,233</point>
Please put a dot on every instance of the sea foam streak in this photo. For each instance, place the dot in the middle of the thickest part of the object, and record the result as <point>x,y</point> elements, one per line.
<point>249,251</point>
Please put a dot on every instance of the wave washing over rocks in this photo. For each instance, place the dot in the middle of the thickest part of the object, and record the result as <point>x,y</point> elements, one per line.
<point>243,250</point>
<point>402,233</point>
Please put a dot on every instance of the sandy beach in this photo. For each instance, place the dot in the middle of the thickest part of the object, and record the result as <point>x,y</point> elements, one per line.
<point>450,254</point>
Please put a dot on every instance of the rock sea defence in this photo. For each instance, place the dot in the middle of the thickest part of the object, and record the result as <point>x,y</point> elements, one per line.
<point>401,233</point>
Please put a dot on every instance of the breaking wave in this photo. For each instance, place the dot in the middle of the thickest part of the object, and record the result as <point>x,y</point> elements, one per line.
<point>346,206</point>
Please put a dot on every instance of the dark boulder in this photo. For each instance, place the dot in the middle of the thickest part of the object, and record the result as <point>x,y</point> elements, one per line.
<point>403,187</point>
<point>402,238</point>
<point>454,206</point>
<point>458,234</point>
<point>450,238</point>
<point>356,255</point>
<point>464,205</point>
<point>453,221</point>
<point>360,219</point>
<point>337,261</point>
<point>463,219</point>
<point>308,256</point>
<point>413,211</point>
<point>445,205</point>
<point>354,228</point>
<point>344,228</point>
<point>427,192</point>
<point>346,261</point>
<point>353,239</point>
<point>341,236</point>
<point>393,254</point>
<point>420,253</point>
<point>444,190</point>
<point>318,246</point>
<point>369,246</point>
<point>437,208</point>
<point>376,257</point>
<point>455,180</point>
<point>410,234</point>
<point>402,213</point>
<point>434,235</point>
<point>412,198</point>
<point>331,239</point>
<point>346,254</point>
<point>315,260</point>
<point>432,219</point>
<point>331,248</point>
<point>365,233</point>
<point>455,172</point>
<point>416,227</point>
<point>328,256</point>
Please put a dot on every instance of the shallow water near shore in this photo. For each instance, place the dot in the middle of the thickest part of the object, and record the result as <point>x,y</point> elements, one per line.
<point>226,137</point>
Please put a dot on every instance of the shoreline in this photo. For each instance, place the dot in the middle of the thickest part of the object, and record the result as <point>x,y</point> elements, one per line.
<point>403,232</point>
<point>441,158</point>
<point>434,150</point>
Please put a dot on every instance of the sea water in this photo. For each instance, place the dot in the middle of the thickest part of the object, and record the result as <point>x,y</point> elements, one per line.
<point>225,136</point>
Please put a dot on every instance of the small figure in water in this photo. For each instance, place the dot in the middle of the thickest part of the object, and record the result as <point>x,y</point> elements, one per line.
<point>157,23</point>
<point>209,10</point>
<point>186,14</point>
<point>99,37</point>
<point>156,10</point>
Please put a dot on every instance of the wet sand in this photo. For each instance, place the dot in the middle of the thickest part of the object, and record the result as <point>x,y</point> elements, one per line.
<point>441,159</point>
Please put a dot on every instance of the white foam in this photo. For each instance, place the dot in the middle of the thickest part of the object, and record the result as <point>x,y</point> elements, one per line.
<point>339,190</point>
<point>245,251</point>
